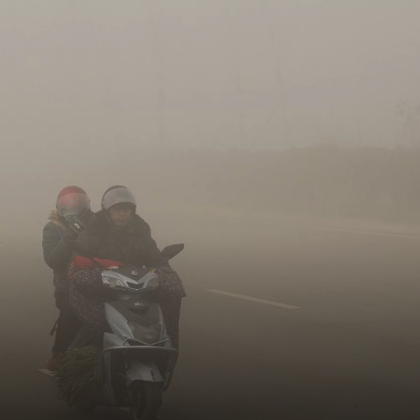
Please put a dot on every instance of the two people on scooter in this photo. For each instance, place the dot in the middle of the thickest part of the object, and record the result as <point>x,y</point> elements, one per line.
<point>118,235</point>
<point>116,232</point>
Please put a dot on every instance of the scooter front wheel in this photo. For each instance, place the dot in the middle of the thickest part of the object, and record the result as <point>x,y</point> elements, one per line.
<point>146,398</point>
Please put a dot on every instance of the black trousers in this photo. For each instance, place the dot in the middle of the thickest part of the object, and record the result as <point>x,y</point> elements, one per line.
<point>68,325</point>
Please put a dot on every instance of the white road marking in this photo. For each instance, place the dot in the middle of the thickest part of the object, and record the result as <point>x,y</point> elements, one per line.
<point>263,301</point>
<point>46,372</point>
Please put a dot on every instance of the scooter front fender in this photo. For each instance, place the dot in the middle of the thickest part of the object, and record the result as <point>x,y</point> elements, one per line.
<point>146,372</point>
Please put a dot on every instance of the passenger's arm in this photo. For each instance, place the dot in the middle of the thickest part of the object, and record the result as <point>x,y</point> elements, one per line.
<point>86,243</point>
<point>57,253</point>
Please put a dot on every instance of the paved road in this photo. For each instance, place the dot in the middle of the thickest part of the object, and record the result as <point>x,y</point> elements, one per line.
<point>349,351</point>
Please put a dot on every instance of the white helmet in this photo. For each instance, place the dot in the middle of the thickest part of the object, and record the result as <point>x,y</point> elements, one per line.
<point>117,195</point>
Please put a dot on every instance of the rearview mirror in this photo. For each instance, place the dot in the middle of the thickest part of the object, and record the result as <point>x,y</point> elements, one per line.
<point>171,251</point>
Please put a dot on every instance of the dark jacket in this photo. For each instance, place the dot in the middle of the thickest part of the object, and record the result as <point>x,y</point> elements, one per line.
<point>57,253</point>
<point>134,244</point>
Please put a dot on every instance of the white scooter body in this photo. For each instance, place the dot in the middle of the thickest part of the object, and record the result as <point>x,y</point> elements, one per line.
<point>137,360</point>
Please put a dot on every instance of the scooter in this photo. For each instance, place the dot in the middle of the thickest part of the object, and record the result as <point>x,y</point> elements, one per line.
<point>137,360</point>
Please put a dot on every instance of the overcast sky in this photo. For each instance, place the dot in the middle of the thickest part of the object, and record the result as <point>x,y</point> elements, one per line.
<point>206,73</point>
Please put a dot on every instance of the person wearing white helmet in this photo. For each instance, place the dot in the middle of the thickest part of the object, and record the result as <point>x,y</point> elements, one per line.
<point>118,233</point>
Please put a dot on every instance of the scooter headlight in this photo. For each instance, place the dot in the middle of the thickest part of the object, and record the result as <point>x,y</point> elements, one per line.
<point>149,335</point>
<point>151,284</point>
<point>113,282</point>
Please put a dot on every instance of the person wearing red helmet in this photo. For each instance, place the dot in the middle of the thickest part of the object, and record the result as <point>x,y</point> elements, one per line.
<point>71,215</point>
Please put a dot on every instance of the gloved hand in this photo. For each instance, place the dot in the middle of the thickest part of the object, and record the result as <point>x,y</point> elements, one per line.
<point>85,216</point>
<point>78,222</point>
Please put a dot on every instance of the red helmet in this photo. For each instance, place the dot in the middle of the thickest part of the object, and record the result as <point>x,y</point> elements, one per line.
<point>71,200</point>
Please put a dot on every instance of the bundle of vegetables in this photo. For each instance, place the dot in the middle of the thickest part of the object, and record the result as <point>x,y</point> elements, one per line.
<point>75,375</point>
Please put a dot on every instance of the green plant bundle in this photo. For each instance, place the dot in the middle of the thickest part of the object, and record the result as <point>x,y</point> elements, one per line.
<point>75,376</point>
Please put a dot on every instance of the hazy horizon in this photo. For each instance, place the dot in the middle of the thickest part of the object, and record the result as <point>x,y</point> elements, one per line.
<point>85,84</point>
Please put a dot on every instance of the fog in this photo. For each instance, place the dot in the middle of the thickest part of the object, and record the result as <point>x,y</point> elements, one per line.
<point>171,98</point>
<point>279,140</point>
<point>223,73</point>
<point>88,86</point>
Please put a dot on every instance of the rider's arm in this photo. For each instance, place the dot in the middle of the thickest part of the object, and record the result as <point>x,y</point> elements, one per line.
<point>57,253</point>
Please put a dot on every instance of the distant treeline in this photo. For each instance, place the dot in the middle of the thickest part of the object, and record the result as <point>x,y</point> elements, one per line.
<point>369,183</point>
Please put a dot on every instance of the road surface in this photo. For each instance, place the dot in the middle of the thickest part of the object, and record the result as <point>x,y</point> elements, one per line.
<point>279,323</point>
